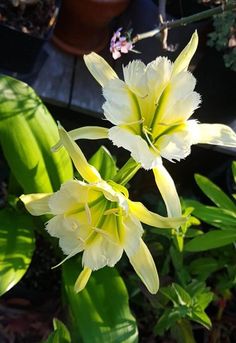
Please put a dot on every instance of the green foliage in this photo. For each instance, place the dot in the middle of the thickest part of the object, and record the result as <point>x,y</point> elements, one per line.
<point>60,334</point>
<point>104,163</point>
<point>222,38</point>
<point>188,304</point>
<point>27,133</point>
<point>16,247</point>
<point>100,313</point>
<point>223,217</point>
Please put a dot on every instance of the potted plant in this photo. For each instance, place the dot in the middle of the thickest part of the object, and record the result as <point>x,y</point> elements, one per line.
<point>83,26</point>
<point>25,25</point>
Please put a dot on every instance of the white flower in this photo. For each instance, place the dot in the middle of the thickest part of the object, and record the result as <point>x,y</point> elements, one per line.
<point>150,111</point>
<point>97,218</point>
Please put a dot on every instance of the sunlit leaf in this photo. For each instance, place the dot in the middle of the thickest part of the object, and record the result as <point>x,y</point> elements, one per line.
<point>27,133</point>
<point>101,311</point>
<point>16,247</point>
<point>214,192</point>
<point>218,217</point>
<point>104,163</point>
<point>211,240</point>
<point>60,334</point>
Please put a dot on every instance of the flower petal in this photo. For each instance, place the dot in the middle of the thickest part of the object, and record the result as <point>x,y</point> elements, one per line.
<point>71,194</point>
<point>82,279</point>
<point>184,58</point>
<point>88,172</point>
<point>153,219</point>
<point>135,78</point>
<point>120,106</point>
<point>87,132</point>
<point>177,144</point>
<point>132,233</point>
<point>139,149</point>
<point>99,68</point>
<point>217,134</point>
<point>145,268</point>
<point>37,204</point>
<point>168,191</point>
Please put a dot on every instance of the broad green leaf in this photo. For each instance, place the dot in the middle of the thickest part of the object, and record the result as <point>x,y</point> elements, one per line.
<point>16,247</point>
<point>101,311</point>
<point>60,334</point>
<point>27,133</point>
<point>104,163</point>
<point>211,240</point>
<point>213,192</point>
<point>218,217</point>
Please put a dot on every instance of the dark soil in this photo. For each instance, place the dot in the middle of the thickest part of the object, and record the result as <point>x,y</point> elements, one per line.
<point>34,19</point>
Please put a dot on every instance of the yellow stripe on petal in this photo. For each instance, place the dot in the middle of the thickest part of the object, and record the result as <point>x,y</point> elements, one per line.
<point>145,268</point>
<point>99,68</point>
<point>153,219</point>
<point>88,172</point>
<point>82,279</point>
<point>168,191</point>
<point>184,58</point>
<point>36,204</point>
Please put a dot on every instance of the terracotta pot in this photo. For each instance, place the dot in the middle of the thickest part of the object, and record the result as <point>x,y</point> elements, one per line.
<point>83,25</point>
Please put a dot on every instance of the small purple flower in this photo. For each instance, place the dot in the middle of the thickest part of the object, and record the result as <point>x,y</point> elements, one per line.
<point>119,44</point>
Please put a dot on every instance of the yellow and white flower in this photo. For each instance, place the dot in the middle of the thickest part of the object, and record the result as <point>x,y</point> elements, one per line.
<point>97,217</point>
<point>150,111</point>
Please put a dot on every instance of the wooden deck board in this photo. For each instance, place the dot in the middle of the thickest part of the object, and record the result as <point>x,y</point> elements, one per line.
<point>54,81</point>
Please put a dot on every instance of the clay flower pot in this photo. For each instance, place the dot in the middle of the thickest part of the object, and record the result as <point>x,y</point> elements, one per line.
<point>83,25</point>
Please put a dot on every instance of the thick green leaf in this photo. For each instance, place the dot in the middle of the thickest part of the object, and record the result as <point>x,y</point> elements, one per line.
<point>100,312</point>
<point>27,133</point>
<point>104,163</point>
<point>211,240</point>
<point>234,171</point>
<point>214,192</point>
<point>60,334</point>
<point>16,247</point>
<point>218,217</point>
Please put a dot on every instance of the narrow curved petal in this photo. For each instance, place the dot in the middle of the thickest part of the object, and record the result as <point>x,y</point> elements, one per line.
<point>217,134</point>
<point>168,191</point>
<point>132,233</point>
<point>184,58</point>
<point>153,219</point>
<point>82,279</point>
<point>99,68</point>
<point>88,172</point>
<point>37,204</point>
<point>89,132</point>
<point>86,132</point>
<point>139,149</point>
<point>145,268</point>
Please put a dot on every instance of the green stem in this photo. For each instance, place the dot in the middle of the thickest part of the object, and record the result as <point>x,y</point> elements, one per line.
<point>185,20</point>
<point>127,172</point>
